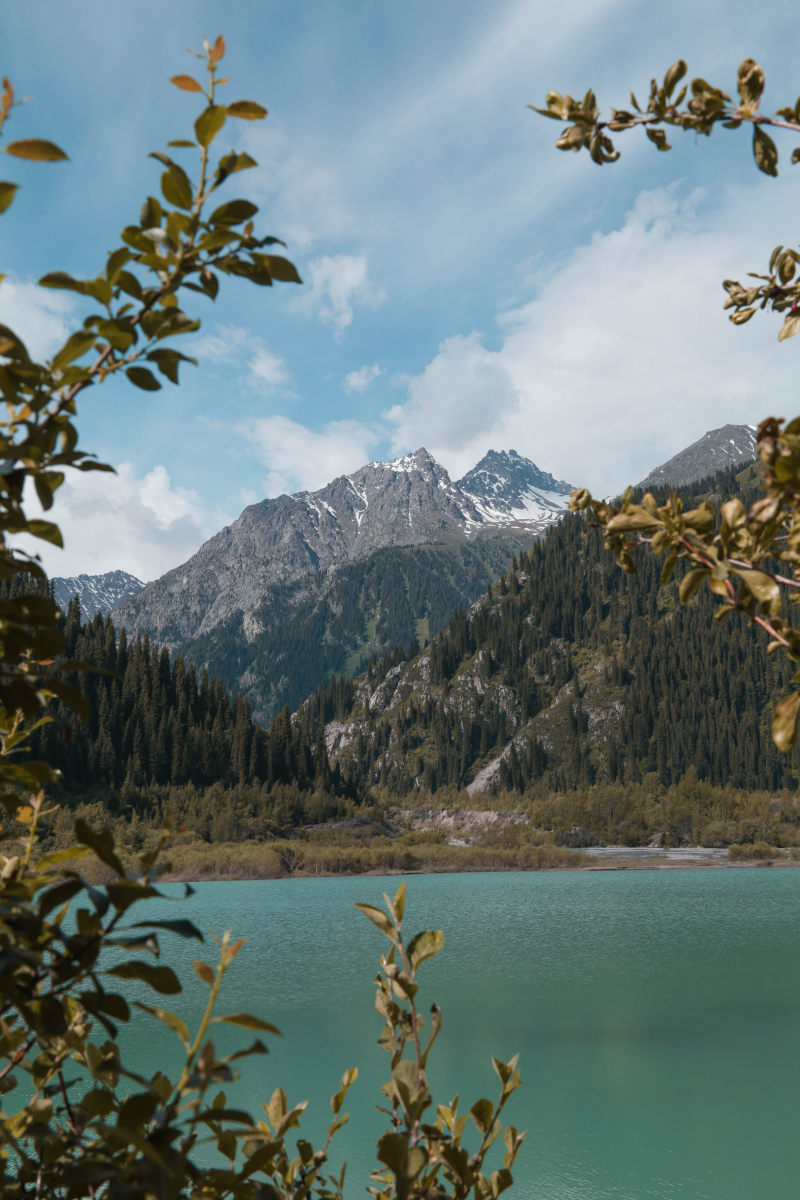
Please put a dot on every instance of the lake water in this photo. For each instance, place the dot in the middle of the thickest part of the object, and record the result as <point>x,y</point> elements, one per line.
<point>657,1014</point>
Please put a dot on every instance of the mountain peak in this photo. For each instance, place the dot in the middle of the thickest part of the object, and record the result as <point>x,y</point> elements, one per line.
<point>509,489</point>
<point>408,501</point>
<point>420,460</point>
<point>96,593</point>
<point>728,446</point>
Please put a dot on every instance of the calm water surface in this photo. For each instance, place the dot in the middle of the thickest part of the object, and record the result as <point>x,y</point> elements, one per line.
<point>657,1014</point>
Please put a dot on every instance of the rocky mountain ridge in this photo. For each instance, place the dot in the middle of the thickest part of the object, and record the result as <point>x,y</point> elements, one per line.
<point>716,450</point>
<point>409,501</point>
<point>96,593</point>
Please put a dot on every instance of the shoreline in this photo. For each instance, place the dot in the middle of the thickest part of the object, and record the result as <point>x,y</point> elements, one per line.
<point>612,858</point>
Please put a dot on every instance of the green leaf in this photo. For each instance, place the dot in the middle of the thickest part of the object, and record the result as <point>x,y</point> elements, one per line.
<point>399,901</point>
<point>668,568</point>
<point>102,843</point>
<point>482,1112</point>
<point>209,123</point>
<point>167,360</point>
<point>501,1179</point>
<point>75,347</point>
<point>673,76</point>
<point>247,109</point>
<point>127,282</point>
<point>230,163</point>
<point>143,379</point>
<point>637,519</point>
<point>392,1149</point>
<point>160,979</point>
<point>115,1006</point>
<point>280,268</point>
<point>784,722</point>
<point>37,150</point>
<point>46,531</point>
<point>186,83</point>
<point>691,582</point>
<point>233,213</point>
<point>7,193</point>
<point>169,1019</point>
<point>378,918</point>
<point>203,971</point>
<point>763,587</point>
<point>181,926</point>
<point>765,151</point>
<point>247,1021</point>
<point>424,946</point>
<point>790,326</point>
<point>176,187</point>
<point>750,82</point>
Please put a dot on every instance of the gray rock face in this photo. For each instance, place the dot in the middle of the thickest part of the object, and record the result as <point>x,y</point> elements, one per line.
<point>714,451</point>
<point>96,593</point>
<point>407,502</point>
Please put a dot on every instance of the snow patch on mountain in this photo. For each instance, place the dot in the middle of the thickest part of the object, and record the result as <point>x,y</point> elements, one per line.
<point>510,490</point>
<point>96,593</point>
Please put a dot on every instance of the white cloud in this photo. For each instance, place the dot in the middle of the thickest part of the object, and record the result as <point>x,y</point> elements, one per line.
<point>338,283</point>
<point>268,368</point>
<point>464,389</point>
<point>305,193</point>
<point>359,381</point>
<point>42,317</point>
<point>235,345</point>
<point>300,459</point>
<point>623,357</point>
<point>226,343</point>
<point>142,524</point>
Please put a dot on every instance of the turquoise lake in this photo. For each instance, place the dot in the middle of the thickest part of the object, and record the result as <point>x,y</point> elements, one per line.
<point>657,1015</point>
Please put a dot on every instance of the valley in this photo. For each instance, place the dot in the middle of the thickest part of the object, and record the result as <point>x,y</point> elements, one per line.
<point>550,695</point>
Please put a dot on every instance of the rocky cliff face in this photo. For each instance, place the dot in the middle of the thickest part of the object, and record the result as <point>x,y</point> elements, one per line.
<point>407,502</point>
<point>714,451</point>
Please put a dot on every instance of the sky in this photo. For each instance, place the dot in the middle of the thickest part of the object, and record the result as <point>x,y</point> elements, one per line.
<point>466,286</point>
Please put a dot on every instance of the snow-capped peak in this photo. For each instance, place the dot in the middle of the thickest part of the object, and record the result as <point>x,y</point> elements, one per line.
<point>508,489</point>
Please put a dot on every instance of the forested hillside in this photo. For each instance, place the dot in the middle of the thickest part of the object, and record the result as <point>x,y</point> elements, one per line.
<point>568,673</point>
<point>304,631</point>
<point>162,735</point>
<point>593,696</point>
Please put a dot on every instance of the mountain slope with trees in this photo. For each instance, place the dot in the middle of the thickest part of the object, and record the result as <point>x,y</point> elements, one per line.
<point>568,673</point>
<point>334,623</point>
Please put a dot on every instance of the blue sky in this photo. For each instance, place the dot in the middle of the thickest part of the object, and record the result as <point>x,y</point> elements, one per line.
<point>465,285</point>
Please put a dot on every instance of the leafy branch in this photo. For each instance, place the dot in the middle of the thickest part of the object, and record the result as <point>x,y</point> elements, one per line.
<point>424,1157</point>
<point>177,246</point>
<point>750,560</point>
<point>706,107</point>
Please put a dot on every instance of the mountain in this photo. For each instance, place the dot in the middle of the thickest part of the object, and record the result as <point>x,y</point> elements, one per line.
<point>592,698</point>
<point>304,585</point>
<point>508,489</point>
<point>568,673</point>
<point>96,593</point>
<point>732,445</point>
<point>407,502</point>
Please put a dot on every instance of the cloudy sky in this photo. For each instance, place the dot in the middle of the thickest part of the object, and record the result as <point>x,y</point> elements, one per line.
<point>466,286</point>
